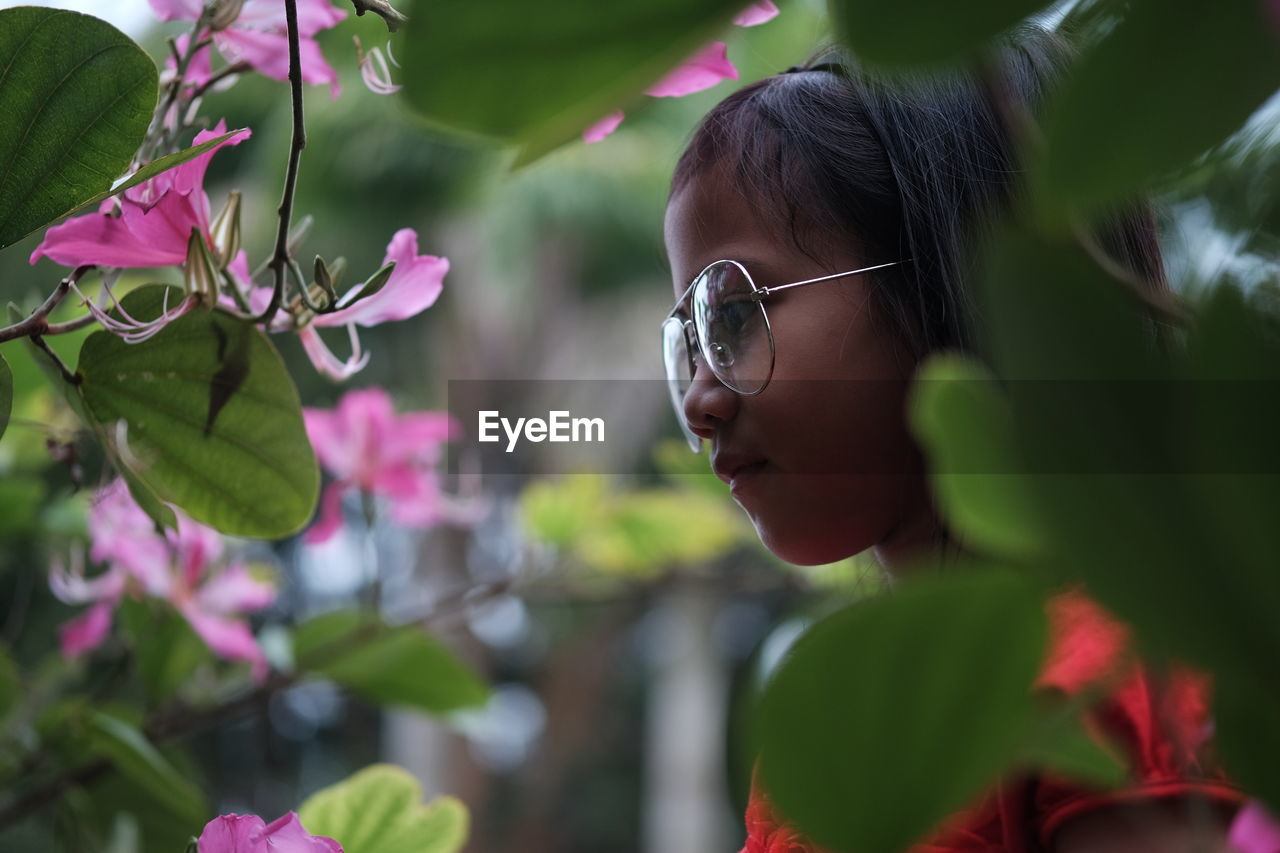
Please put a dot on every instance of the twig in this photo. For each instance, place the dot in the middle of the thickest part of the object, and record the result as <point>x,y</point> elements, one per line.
<point>280,259</point>
<point>383,9</point>
<point>38,323</point>
<point>37,797</point>
<point>218,76</point>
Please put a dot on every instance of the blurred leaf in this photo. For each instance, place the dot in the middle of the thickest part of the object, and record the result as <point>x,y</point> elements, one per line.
<point>1059,743</point>
<point>134,756</point>
<point>167,650</point>
<point>77,96</point>
<point>650,530</point>
<point>1130,501</point>
<point>1171,80</point>
<point>1246,734</point>
<point>928,682</point>
<point>380,810</point>
<point>213,423</point>
<point>10,682</point>
<point>159,827</point>
<point>558,512</point>
<point>390,665</point>
<point>963,421</point>
<point>913,32</point>
<point>20,499</point>
<point>538,75</point>
<point>6,394</point>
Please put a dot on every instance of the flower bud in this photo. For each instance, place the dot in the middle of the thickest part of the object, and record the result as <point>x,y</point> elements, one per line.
<point>223,13</point>
<point>200,273</point>
<point>226,230</point>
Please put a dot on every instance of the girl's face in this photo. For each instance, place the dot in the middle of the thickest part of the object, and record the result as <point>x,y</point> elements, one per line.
<point>821,460</point>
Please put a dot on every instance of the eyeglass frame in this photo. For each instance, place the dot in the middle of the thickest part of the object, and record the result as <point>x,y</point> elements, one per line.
<point>758,295</point>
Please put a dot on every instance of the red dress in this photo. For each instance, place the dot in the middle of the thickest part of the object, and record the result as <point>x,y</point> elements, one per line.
<point>1163,725</point>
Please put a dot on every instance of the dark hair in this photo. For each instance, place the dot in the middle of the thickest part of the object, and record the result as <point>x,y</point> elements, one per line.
<point>915,166</point>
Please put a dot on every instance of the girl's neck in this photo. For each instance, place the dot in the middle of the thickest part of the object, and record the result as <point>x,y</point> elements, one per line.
<point>914,543</point>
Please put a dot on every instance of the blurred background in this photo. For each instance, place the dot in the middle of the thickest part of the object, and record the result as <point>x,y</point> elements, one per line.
<point>619,669</point>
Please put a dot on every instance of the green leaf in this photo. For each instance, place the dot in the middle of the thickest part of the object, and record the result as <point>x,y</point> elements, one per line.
<point>962,419</point>
<point>10,682</point>
<point>654,529</point>
<point>167,650</point>
<point>559,512</point>
<point>6,394</point>
<point>928,682</point>
<point>538,75</point>
<point>1172,79</point>
<point>212,421</point>
<point>380,810</point>
<point>391,665</point>
<point>1058,742</point>
<point>77,96</point>
<point>1246,734</point>
<point>135,757</point>
<point>922,31</point>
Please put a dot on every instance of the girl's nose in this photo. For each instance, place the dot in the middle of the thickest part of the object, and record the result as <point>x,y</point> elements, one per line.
<point>708,403</point>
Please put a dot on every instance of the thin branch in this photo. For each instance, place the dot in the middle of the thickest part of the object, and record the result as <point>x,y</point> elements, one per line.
<point>218,76</point>
<point>38,323</point>
<point>384,10</point>
<point>36,798</point>
<point>280,258</point>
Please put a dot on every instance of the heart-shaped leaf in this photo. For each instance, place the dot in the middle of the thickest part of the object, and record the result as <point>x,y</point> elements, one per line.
<point>205,416</point>
<point>380,810</point>
<point>77,96</point>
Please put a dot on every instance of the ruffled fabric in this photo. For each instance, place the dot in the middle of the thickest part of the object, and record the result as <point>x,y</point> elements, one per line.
<point>1161,721</point>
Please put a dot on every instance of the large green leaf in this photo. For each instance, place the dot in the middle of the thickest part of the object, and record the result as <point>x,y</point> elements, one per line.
<point>135,757</point>
<point>1154,490</point>
<point>931,682</point>
<point>77,96</point>
<point>6,394</point>
<point>212,420</point>
<point>921,31</point>
<point>393,665</point>
<point>539,74</point>
<point>380,810</point>
<point>963,421</point>
<point>1171,80</point>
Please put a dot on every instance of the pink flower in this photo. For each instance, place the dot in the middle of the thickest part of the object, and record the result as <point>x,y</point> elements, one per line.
<point>603,127</point>
<point>185,567</point>
<point>233,833</point>
<point>154,223</point>
<point>413,287</point>
<point>756,13</point>
<point>259,36</point>
<point>701,71</point>
<point>1255,830</point>
<point>370,449</point>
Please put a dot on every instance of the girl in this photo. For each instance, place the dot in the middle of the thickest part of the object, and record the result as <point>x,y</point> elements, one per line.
<point>818,227</point>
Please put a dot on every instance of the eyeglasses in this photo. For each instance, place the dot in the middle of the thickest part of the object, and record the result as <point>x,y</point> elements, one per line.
<point>729,330</point>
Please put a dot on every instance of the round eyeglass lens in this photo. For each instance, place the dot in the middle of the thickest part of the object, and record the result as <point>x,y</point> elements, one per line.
<point>676,358</point>
<point>731,327</point>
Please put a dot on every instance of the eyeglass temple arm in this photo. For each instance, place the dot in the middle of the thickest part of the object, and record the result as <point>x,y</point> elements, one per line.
<point>767,291</point>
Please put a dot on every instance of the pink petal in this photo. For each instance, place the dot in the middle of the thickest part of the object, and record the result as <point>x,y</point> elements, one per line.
<point>323,359</point>
<point>230,639</point>
<point>195,547</point>
<point>328,438</point>
<point>134,239</point>
<point>268,15</point>
<point>234,590</point>
<point>756,13</point>
<point>330,518</point>
<point>414,286</point>
<point>286,835</point>
<point>232,833</point>
<point>268,53</point>
<point>122,534</point>
<point>188,178</point>
<point>70,586</point>
<point>603,127</point>
<point>1255,830</point>
<point>199,69</point>
<point>420,433</point>
<point>701,71</point>
<point>86,631</point>
<point>176,10</point>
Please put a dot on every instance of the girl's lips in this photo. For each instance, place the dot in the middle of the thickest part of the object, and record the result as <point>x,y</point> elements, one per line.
<point>730,466</point>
